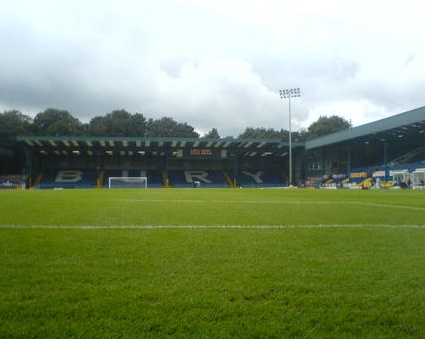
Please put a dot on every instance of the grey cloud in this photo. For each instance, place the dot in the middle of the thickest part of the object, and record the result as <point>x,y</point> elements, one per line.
<point>210,65</point>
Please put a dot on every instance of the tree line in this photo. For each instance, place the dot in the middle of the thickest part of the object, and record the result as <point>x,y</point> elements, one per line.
<point>120,123</point>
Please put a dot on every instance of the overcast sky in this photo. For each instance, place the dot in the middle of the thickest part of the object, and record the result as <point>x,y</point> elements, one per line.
<point>214,63</point>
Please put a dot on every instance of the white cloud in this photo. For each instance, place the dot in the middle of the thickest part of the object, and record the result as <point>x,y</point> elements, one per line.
<point>221,93</point>
<point>214,63</point>
<point>356,112</point>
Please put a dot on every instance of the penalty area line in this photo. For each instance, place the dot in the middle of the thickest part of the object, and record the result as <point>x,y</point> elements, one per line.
<point>103,227</point>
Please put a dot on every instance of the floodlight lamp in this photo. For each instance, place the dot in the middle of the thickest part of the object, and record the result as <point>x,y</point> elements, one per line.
<point>289,93</point>
<point>295,92</point>
<point>284,94</point>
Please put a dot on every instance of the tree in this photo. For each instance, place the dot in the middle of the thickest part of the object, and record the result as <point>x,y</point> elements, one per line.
<point>168,127</point>
<point>262,133</point>
<point>213,134</point>
<point>56,122</point>
<point>118,123</point>
<point>97,127</point>
<point>325,125</point>
<point>12,124</point>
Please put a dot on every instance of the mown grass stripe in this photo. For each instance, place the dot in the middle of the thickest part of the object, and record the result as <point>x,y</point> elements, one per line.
<point>275,202</point>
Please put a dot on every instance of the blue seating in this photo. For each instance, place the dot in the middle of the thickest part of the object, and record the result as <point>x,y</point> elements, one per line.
<point>189,178</point>
<point>75,178</point>
<point>260,178</point>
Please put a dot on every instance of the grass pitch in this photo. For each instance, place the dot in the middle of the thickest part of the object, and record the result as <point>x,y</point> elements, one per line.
<point>207,263</point>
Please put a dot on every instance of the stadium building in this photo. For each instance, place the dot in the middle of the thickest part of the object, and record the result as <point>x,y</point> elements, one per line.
<point>386,153</point>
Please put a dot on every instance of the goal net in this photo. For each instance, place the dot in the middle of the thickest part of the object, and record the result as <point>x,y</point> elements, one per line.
<point>128,182</point>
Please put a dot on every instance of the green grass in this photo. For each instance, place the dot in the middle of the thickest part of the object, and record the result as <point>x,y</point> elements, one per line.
<point>211,207</point>
<point>207,263</point>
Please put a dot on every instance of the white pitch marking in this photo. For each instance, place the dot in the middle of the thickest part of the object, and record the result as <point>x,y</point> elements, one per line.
<point>100,227</point>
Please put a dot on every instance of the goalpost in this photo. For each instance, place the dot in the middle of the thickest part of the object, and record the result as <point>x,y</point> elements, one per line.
<point>128,182</point>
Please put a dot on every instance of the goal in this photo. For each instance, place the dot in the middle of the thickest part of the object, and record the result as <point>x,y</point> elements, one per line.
<point>128,182</point>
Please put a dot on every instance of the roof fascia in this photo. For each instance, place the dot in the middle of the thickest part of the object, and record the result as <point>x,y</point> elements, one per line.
<point>395,121</point>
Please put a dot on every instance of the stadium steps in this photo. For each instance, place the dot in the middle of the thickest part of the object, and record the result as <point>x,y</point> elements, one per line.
<point>229,180</point>
<point>165,180</point>
<point>100,179</point>
<point>38,179</point>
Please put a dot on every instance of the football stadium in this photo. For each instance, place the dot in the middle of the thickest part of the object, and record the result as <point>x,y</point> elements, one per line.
<point>382,154</point>
<point>208,238</point>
